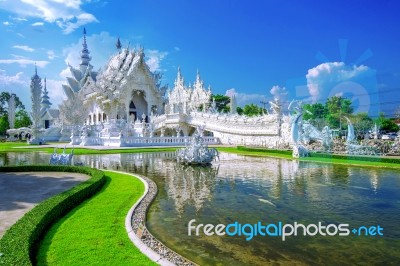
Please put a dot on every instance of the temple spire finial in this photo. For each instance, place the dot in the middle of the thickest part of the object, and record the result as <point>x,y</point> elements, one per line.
<point>35,69</point>
<point>118,44</point>
<point>85,54</point>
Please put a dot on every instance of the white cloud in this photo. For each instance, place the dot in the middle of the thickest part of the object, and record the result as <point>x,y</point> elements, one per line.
<point>230,92</point>
<point>338,79</point>
<point>154,58</point>
<point>56,92</point>
<point>246,98</point>
<point>51,54</point>
<point>18,84</point>
<point>20,19</point>
<point>24,47</point>
<point>279,93</point>
<point>24,62</point>
<point>81,19</point>
<point>6,80</point>
<point>37,24</point>
<point>177,49</point>
<point>322,79</point>
<point>67,14</point>
<point>6,23</point>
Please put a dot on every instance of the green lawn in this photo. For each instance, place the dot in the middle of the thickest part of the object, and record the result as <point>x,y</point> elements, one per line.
<point>20,147</point>
<point>94,233</point>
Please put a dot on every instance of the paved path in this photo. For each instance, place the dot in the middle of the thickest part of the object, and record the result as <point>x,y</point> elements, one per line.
<point>21,191</point>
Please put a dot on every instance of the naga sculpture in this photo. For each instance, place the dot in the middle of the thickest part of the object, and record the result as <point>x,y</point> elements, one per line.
<point>61,159</point>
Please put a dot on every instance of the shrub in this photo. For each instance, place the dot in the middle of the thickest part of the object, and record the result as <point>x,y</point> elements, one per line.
<point>20,243</point>
<point>286,152</point>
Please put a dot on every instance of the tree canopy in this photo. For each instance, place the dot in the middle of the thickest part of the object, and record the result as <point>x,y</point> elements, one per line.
<point>221,102</point>
<point>22,118</point>
<point>386,124</point>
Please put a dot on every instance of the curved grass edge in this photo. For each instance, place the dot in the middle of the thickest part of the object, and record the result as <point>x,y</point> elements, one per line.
<point>146,199</point>
<point>21,241</point>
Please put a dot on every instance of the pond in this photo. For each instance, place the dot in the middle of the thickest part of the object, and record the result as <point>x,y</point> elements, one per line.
<point>249,190</point>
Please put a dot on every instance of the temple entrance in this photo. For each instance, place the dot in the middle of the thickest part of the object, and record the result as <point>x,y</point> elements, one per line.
<point>132,111</point>
<point>138,106</point>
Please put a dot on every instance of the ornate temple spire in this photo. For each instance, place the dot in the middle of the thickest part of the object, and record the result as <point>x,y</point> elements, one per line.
<point>118,44</point>
<point>85,54</point>
<point>36,91</point>
<point>198,83</point>
<point>179,82</point>
<point>45,103</point>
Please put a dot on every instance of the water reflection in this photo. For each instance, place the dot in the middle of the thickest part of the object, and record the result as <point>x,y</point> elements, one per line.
<point>251,189</point>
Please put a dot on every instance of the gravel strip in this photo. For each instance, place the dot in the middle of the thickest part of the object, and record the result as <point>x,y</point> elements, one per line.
<point>139,228</point>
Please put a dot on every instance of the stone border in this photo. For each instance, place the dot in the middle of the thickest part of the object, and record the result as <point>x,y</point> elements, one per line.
<point>135,225</point>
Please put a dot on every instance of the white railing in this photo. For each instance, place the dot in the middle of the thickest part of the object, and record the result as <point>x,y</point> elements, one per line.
<point>154,141</point>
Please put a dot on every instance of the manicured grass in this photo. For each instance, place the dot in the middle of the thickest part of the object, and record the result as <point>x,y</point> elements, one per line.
<point>19,147</point>
<point>19,244</point>
<point>94,233</point>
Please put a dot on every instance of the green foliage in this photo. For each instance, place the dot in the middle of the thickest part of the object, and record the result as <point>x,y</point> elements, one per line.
<point>375,161</point>
<point>4,97</point>
<point>221,102</point>
<point>102,238</point>
<point>379,159</point>
<point>20,242</point>
<point>386,124</point>
<point>317,110</point>
<point>264,150</point>
<point>252,110</point>
<point>4,125</point>
<point>239,110</point>
<point>362,124</point>
<point>22,119</point>
<point>336,107</point>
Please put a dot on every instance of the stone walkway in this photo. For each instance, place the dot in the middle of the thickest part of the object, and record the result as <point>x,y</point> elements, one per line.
<point>21,191</point>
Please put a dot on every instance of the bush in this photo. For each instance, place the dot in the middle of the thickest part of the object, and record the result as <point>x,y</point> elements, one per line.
<point>286,152</point>
<point>21,241</point>
<point>356,157</point>
<point>328,155</point>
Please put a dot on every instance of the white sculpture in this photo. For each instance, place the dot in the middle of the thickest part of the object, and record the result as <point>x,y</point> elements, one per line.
<point>61,159</point>
<point>11,111</point>
<point>197,153</point>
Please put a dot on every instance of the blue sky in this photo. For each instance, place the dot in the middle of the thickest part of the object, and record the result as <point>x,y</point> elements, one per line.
<point>307,50</point>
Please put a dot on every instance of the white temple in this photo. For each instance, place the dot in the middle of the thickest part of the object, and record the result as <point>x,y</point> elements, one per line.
<point>124,104</point>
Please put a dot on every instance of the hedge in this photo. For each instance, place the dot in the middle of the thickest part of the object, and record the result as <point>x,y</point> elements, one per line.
<point>380,159</point>
<point>243,148</point>
<point>20,243</point>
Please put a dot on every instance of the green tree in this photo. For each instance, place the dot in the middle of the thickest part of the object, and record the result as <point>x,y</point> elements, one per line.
<point>386,124</point>
<point>239,110</point>
<point>317,110</point>
<point>4,124</point>
<point>221,102</point>
<point>4,97</point>
<point>336,107</point>
<point>22,119</point>
<point>252,110</point>
<point>362,124</point>
<point>317,115</point>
